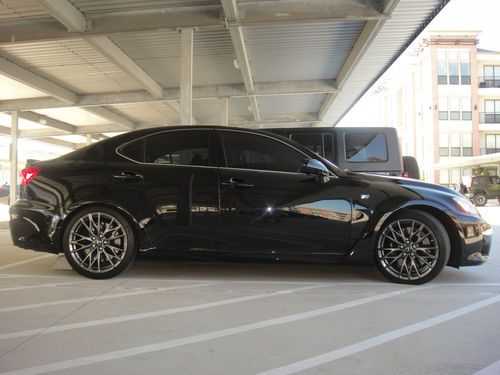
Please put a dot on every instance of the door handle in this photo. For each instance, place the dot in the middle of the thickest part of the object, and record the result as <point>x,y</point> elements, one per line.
<point>236,182</point>
<point>129,175</point>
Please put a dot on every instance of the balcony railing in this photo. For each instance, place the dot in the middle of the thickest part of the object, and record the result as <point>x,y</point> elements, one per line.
<point>489,118</point>
<point>489,82</point>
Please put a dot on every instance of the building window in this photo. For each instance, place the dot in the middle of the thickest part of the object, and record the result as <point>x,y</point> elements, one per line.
<point>453,67</point>
<point>492,143</point>
<point>466,108</point>
<point>491,76</point>
<point>442,73</point>
<point>491,114</point>
<point>455,108</point>
<point>455,144</point>
<point>467,144</point>
<point>443,145</point>
<point>443,108</point>
<point>465,68</point>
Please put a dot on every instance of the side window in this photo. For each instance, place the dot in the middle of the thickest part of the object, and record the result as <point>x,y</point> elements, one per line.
<point>251,151</point>
<point>365,147</point>
<point>313,142</point>
<point>322,144</point>
<point>178,148</point>
<point>133,150</point>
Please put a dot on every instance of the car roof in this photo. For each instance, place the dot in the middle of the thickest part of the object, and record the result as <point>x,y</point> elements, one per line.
<point>110,144</point>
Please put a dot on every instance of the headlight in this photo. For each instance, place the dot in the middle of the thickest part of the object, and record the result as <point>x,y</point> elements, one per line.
<point>465,205</point>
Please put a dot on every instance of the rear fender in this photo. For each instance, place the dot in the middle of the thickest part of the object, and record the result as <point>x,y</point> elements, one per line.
<point>141,234</point>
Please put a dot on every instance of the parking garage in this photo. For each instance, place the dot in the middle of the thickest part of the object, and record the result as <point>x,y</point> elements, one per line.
<point>76,72</point>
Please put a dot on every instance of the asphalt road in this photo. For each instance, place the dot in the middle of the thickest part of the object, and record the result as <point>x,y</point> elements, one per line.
<point>166,317</point>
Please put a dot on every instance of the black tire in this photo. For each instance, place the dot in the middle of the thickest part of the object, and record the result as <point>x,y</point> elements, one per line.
<point>410,166</point>
<point>103,232</point>
<point>480,199</point>
<point>415,255</point>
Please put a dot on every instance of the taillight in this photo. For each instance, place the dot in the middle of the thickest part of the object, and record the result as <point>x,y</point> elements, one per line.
<point>405,174</point>
<point>29,174</point>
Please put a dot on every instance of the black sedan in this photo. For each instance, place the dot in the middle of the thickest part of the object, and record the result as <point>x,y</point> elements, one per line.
<point>225,191</point>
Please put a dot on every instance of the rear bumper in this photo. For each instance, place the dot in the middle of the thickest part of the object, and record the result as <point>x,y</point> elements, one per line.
<point>33,226</point>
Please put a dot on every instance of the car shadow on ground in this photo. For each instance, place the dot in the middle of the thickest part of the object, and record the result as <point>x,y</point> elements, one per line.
<point>160,266</point>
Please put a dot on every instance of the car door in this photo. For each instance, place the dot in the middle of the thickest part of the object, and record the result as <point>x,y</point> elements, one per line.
<point>270,206</point>
<point>175,185</point>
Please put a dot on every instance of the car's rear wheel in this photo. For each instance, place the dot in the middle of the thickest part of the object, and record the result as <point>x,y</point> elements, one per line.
<point>480,199</point>
<point>99,243</point>
<point>412,248</point>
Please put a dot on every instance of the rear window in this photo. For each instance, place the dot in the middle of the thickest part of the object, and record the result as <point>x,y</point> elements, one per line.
<point>133,150</point>
<point>171,147</point>
<point>179,148</point>
<point>365,147</point>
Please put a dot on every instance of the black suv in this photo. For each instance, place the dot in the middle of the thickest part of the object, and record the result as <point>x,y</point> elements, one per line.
<point>358,149</point>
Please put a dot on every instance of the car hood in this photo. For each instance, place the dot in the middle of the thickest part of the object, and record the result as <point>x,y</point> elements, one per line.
<point>416,185</point>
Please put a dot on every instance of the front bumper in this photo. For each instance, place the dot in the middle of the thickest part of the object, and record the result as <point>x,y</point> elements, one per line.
<point>476,239</point>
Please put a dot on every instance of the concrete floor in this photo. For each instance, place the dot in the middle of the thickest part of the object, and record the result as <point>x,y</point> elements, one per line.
<point>165,317</point>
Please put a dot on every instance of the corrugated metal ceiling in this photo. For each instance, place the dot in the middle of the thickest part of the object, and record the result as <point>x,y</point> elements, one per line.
<point>302,51</point>
<point>158,53</point>
<point>93,7</point>
<point>73,64</point>
<point>11,10</point>
<point>298,56</point>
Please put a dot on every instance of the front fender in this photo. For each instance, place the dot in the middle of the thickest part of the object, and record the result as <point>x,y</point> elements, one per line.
<point>362,250</point>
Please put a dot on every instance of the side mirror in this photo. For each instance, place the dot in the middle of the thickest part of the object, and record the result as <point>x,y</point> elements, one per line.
<point>313,166</point>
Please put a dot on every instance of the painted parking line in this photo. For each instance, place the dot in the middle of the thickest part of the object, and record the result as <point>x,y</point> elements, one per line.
<point>493,369</point>
<point>154,314</point>
<point>100,298</point>
<point>25,261</point>
<point>379,340</point>
<point>164,345</point>
<point>51,285</point>
<point>21,275</point>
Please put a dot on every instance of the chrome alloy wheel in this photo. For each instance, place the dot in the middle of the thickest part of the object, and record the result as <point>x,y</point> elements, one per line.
<point>97,242</point>
<point>407,249</point>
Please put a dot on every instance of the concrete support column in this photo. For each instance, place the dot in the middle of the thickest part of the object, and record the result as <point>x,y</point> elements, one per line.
<point>224,118</point>
<point>89,139</point>
<point>187,76</point>
<point>13,156</point>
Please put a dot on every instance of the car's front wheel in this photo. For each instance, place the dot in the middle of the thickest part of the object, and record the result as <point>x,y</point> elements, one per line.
<point>99,243</point>
<point>412,248</point>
